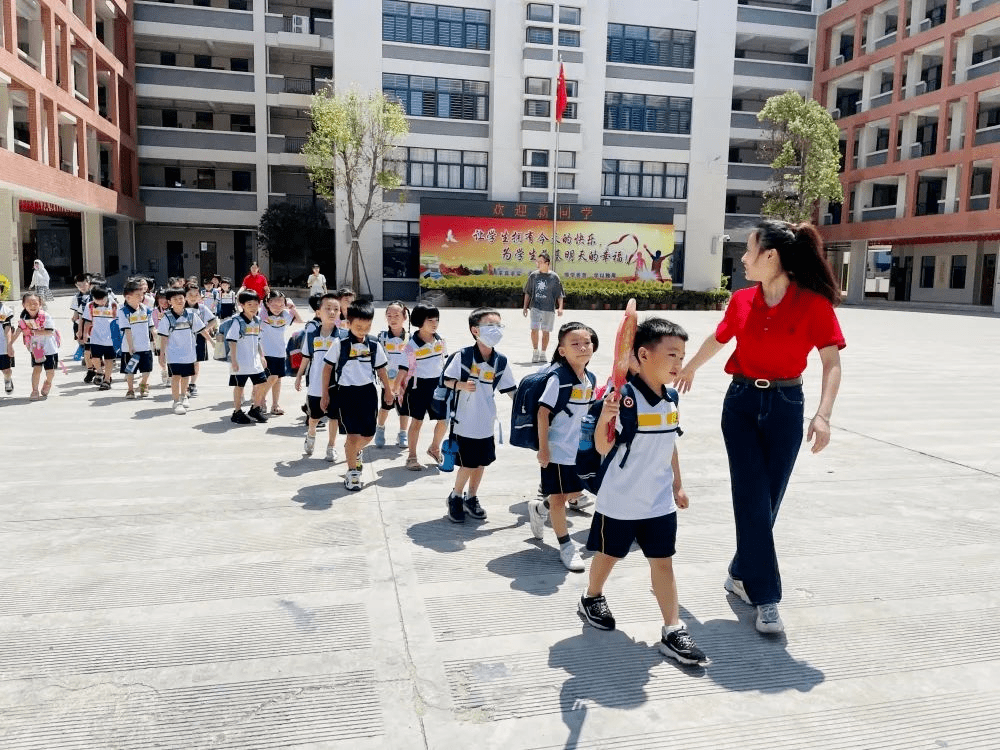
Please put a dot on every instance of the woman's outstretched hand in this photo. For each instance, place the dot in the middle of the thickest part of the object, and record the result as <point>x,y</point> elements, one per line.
<point>684,380</point>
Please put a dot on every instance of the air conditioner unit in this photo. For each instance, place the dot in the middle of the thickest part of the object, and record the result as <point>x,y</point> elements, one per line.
<point>838,60</point>
<point>827,219</point>
<point>300,24</point>
<point>925,24</point>
<point>835,114</point>
<point>920,88</point>
<point>916,150</point>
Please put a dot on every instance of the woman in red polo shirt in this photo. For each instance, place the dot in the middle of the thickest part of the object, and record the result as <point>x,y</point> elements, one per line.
<point>257,281</point>
<point>776,323</point>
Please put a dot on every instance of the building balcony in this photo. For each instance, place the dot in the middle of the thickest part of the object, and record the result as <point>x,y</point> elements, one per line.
<point>880,100</point>
<point>878,213</point>
<point>980,4</point>
<point>285,144</point>
<point>985,136</point>
<point>289,85</point>
<point>219,140</point>
<point>209,200</point>
<point>768,70</point>
<point>979,202</point>
<point>192,16</point>
<point>193,78</point>
<point>985,68</point>
<point>745,121</point>
<point>299,25</point>
<point>752,172</point>
<point>798,15</point>
<point>303,200</point>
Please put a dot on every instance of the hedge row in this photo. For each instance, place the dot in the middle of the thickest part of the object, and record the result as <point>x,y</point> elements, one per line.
<point>503,291</point>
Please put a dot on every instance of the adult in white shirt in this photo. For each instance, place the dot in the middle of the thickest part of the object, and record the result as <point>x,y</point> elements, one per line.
<point>316,281</point>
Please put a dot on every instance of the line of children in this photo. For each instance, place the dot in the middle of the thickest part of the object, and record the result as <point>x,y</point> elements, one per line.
<point>424,356</point>
<point>394,340</point>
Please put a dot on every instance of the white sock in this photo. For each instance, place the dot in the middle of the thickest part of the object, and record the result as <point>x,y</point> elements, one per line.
<point>672,628</point>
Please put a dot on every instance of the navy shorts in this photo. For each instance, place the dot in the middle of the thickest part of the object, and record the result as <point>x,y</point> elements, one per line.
<point>474,453</point>
<point>145,362</point>
<point>100,351</point>
<point>275,366</point>
<point>358,409</point>
<point>227,310</point>
<point>181,369</point>
<point>240,379</point>
<point>50,362</point>
<point>386,405</point>
<point>6,362</point>
<point>417,399</point>
<point>201,348</point>
<point>315,412</point>
<point>614,536</point>
<point>559,479</point>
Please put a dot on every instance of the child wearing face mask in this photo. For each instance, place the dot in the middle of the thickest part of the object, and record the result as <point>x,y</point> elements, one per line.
<point>476,409</point>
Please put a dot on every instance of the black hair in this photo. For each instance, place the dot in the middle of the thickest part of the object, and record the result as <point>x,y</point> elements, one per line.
<point>81,278</point>
<point>345,291</point>
<point>216,276</point>
<point>800,250</point>
<point>99,292</point>
<point>316,300</point>
<point>226,280</point>
<point>25,296</point>
<point>406,312</point>
<point>131,287</point>
<point>247,295</point>
<point>652,330</point>
<point>192,287</point>
<point>273,294</point>
<point>479,313</point>
<point>361,309</point>
<point>545,257</point>
<point>567,328</point>
<point>171,292</point>
<point>421,312</point>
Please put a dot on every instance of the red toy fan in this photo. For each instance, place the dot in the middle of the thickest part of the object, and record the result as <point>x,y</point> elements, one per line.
<point>623,354</point>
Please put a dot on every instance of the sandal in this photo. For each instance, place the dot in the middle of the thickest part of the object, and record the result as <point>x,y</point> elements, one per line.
<point>34,396</point>
<point>45,390</point>
<point>413,463</point>
<point>436,455</point>
<point>277,411</point>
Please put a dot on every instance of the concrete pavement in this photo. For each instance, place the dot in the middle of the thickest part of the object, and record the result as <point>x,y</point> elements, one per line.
<point>181,582</point>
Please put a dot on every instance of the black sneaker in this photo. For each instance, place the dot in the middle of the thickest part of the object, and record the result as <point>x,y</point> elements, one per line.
<point>595,611</point>
<point>473,508</point>
<point>89,377</point>
<point>240,417</point>
<point>192,390</point>
<point>677,644</point>
<point>257,414</point>
<point>456,513</point>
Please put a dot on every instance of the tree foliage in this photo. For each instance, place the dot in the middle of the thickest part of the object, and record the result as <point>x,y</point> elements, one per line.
<point>349,157</point>
<point>290,233</point>
<point>803,149</point>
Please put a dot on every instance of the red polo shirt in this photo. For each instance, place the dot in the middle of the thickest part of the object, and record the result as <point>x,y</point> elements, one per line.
<point>257,282</point>
<point>774,342</point>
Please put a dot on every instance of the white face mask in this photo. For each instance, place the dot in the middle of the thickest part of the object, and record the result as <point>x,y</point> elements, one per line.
<point>490,335</point>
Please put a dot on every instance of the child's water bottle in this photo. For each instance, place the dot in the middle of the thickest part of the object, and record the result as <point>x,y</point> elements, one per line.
<point>587,432</point>
<point>450,449</point>
<point>132,365</point>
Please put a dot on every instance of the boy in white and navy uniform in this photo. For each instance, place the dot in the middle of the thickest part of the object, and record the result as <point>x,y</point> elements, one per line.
<point>319,336</point>
<point>98,315</point>
<point>357,361</point>
<point>135,320</point>
<point>179,327</point>
<point>6,346</point>
<point>225,299</point>
<point>247,360</point>
<point>77,305</point>
<point>194,301</point>
<point>475,410</point>
<point>641,491</point>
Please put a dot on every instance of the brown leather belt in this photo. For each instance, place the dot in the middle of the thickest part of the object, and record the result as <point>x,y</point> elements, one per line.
<point>764,384</point>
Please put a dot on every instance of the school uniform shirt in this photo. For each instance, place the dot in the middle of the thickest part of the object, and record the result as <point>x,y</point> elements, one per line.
<point>225,298</point>
<point>140,322</point>
<point>101,316</point>
<point>315,346</point>
<point>429,356</point>
<point>476,412</point>
<point>181,337</point>
<point>206,315</point>
<point>272,332</point>
<point>395,351</point>
<point>247,333</point>
<point>6,316</point>
<point>358,369</point>
<point>80,301</point>
<point>564,429</point>
<point>39,323</point>
<point>643,488</point>
<point>210,299</point>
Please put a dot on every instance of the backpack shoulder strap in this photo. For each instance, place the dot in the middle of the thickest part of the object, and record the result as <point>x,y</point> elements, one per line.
<point>373,344</point>
<point>468,357</point>
<point>499,367</point>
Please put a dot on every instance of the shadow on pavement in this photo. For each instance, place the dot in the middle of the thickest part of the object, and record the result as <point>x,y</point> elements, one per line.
<point>288,430</point>
<point>399,476</point>
<point>537,570</point>
<point>220,426</point>
<point>441,535</point>
<point>300,467</point>
<point>321,496</point>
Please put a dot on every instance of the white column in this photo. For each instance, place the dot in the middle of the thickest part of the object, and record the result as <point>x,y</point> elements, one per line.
<point>10,244</point>
<point>951,188</point>
<point>913,72</point>
<point>901,196</point>
<point>93,242</point>
<point>996,281</point>
<point>6,115</point>
<point>909,134</point>
<point>856,278</point>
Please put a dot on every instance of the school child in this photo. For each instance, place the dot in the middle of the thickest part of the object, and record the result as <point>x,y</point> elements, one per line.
<point>179,328</point>
<point>160,308</point>
<point>357,359</point>
<point>427,351</point>
<point>193,301</point>
<point>226,299</point>
<point>135,320</point>
<point>148,297</point>
<point>246,360</point>
<point>476,410</point>
<point>278,314</point>
<point>559,437</point>
<point>38,331</point>
<point>77,305</point>
<point>345,296</point>
<point>6,346</point>
<point>97,318</point>
<point>316,342</point>
<point>640,495</point>
<point>393,339</point>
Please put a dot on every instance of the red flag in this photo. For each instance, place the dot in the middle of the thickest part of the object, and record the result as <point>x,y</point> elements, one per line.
<point>561,94</point>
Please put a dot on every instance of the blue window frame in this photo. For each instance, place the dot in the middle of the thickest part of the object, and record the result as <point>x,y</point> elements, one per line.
<point>650,45</point>
<point>451,98</point>
<point>437,25</point>
<point>647,113</point>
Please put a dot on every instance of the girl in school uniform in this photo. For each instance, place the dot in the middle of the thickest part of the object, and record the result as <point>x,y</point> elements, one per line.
<point>279,314</point>
<point>393,340</point>
<point>37,329</point>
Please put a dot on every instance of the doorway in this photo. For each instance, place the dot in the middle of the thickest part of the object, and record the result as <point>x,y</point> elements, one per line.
<point>989,279</point>
<point>208,260</point>
<point>175,258</point>
<point>907,278</point>
<point>242,254</point>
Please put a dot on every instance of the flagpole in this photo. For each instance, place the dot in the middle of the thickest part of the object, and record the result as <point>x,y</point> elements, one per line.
<point>555,169</point>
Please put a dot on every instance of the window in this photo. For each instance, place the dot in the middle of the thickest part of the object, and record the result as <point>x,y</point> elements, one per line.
<point>981,180</point>
<point>567,160</point>
<point>927,272</point>
<point>881,139</point>
<point>542,107</point>
<point>204,120</point>
<point>535,180</point>
<point>400,249</point>
<point>538,86</point>
<point>238,5</point>
<point>203,61</point>
<point>538,35</point>
<point>424,96</point>
<point>168,58</point>
<point>206,179</point>
<point>536,158</point>
<point>242,181</point>
<point>646,179</point>
<point>443,168</point>
<point>958,264</point>
<point>437,25</point>
<point>647,113</point>
<point>536,107</point>
<point>540,12</point>
<point>648,45</point>
<point>240,64</point>
<point>241,124</point>
<point>567,181</point>
<point>569,38</point>
<point>168,118</point>
<point>172,177</point>
<point>206,247</point>
<point>569,16</point>
<point>884,195</point>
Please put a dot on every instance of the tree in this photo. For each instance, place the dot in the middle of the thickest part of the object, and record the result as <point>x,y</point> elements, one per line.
<point>803,147</point>
<point>289,233</point>
<point>349,158</point>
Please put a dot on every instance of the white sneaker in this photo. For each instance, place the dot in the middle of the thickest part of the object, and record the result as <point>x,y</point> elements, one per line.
<point>179,407</point>
<point>768,619</point>
<point>736,588</point>
<point>331,453</point>
<point>186,402</point>
<point>570,557</point>
<point>310,444</point>
<point>579,502</point>
<point>352,480</point>
<point>537,513</point>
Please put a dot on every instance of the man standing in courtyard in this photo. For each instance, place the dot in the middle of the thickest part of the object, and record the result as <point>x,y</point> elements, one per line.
<point>543,296</point>
<point>256,281</point>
